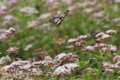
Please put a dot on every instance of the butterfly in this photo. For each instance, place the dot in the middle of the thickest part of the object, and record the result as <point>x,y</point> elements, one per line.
<point>57,20</point>
<point>60,40</point>
<point>93,34</point>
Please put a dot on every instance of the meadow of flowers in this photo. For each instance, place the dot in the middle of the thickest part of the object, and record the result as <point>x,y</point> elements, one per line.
<point>91,50</point>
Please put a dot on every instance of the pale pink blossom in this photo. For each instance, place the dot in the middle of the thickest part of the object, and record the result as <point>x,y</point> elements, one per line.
<point>36,72</point>
<point>108,71</point>
<point>117,63</point>
<point>9,20</point>
<point>11,2</point>
<point>116,58</point>
<point>106,36</point>
<point>116,20</point>
<point>3,7</point>
<point>87,10</point>
<point>80,43</point>
<point>54,5</point>
<point>61,71</point>
<point>32,24</point>
<point>61,57</point>
<point>82,37</point>
<point>112,48</point>
<point>98,15</point>
<point>67,2</point>
<point>72,40</point>
<point>28,47</point>
<point>88,48</point>
<point>111,32</point>
<point>12,50</point>
<point>44,16</point>
<point>28,11</point>
<point>71,66</point>
<point>101,45</point>
<point>117,1</point>
<point>26,67</point>
<point>94,59</point>
<point>100,34</point>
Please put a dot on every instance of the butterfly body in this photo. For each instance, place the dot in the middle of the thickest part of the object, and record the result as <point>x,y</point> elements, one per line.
<point>61,40</point>
<point>57,20</point>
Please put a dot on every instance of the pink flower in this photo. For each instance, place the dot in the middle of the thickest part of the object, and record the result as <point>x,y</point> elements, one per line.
<point>72,40</point>
<point>98,15</point>
<point>9,20</point>
<point>116,20</point>
<point>117,1</point>
<point>87,10</point>
<point>108,71</point>
<point>88,48</point>
<point>101,45</point>
<point>28,11</point>
<point>71,66</point>
<point>106,36</point>
<point>28,47</point>
<point>82,37</point>
<point>111,32</point>
<point>61,71</point>
<point>116,58</point>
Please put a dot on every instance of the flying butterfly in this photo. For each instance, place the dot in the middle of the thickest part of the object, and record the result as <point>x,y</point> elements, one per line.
<point>57,20</point>
<point>61,40</point>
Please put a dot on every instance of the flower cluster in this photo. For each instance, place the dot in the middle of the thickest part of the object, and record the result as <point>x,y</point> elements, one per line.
<point>46,67</point>
<point>7,34</point>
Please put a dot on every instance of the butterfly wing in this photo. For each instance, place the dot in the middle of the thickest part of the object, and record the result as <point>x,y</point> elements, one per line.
<point>64,14</point>
<point>60,40</point>
<point>56,20</point>
<point>64,38</point>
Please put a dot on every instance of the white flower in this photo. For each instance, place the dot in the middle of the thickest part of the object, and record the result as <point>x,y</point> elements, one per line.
<point>9,20</point>
<point>117,1</point>
<point>100,34</point>
<point>71,66</point>
<point>61,71</point>
<point>44,16</point>
<point>26,67</point>
<point>89,48</point>
<point>87,10</point>
<point>105,36</point>
<point>28,47</point>
<point>67,2</point>
<point>28,11</point>
<point>72,40</point>
<point>116,20</point>
<point>36,72</point>
<point>110,71</point>
<point>111,32</point>
<point>61,57</point>
<point>98,15</point>
<point>112,48</point>
<point>32,24</point>
<point>101,45</point>
<point>81,43</point>
<point>82,37</point>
